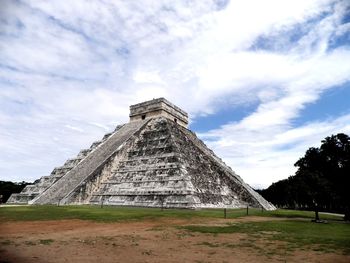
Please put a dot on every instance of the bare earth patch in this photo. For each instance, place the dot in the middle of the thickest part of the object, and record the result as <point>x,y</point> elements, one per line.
<point>158,240</point>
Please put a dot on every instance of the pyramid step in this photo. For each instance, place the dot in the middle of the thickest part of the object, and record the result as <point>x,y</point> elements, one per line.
<point>161,137</point>
<point>146,181</point>
<point>164,155</point>
<point>70,163</point>
<point>149,161</point>
<point>21,198</point>
<point>146,193</point>
<point>83,153</point>
<point>63,187</point>
<point>146,168</point>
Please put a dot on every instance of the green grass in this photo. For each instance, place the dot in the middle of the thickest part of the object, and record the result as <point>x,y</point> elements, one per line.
<point>113,214</point>
<point>298,233</point>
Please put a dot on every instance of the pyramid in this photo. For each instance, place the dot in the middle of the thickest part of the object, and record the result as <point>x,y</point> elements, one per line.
<point>152,161</point>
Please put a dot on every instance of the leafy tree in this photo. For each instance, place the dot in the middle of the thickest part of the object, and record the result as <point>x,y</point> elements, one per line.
<point>321,181</point>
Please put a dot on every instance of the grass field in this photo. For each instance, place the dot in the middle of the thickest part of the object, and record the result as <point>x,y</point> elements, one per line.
<point>112,214</point>
<point>286,235</point>
<point>299,234</point>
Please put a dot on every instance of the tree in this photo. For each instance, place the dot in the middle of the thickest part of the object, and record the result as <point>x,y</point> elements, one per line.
<point>326,172</point>
<point>321,181</point>
<point>336,151</point>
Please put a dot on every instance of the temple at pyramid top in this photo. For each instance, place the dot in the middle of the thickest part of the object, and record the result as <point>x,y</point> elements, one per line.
<point>152,161</point>
<point>158,108</point>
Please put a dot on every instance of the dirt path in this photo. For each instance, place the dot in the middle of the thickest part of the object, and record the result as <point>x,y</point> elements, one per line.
<point>143,241</point>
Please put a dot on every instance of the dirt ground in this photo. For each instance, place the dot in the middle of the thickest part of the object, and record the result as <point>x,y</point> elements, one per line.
<point>143,241</point>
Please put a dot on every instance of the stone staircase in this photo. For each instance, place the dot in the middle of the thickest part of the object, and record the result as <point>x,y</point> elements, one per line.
<point>39,186</point>
<point>56,193</point>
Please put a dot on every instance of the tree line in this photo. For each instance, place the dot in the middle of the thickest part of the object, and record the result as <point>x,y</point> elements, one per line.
<point>321,181</point>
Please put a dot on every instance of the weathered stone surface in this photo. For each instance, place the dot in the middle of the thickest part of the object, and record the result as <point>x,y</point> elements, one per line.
<point>157,108</point>
<point>153,162</point>
<point>58,191</point>
<point>166,165</point>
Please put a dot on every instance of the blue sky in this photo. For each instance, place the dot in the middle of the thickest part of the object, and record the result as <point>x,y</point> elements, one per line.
<point>262,80</point>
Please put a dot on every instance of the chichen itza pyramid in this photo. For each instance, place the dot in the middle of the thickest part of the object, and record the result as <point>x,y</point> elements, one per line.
<point>152,161</point>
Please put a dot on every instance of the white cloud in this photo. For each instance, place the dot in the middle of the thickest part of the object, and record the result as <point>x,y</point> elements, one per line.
<point>70,69</point>
<point>270,156</point>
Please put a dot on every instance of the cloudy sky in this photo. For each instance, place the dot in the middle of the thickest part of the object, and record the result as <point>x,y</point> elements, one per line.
<point>262,80</point>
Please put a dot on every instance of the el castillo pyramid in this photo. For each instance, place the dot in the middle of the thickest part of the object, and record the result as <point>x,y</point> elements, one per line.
<point>152,161</point>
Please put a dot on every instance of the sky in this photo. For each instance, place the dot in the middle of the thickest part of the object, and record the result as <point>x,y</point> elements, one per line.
<point>262,81</point>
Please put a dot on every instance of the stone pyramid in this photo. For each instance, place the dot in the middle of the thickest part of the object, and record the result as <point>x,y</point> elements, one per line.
<point>152,161</point>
